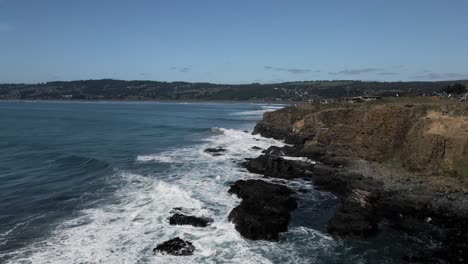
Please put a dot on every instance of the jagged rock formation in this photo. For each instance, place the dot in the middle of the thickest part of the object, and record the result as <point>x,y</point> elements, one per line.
<point>386,162</point>
<point>422,138</point>
<point>264,211</point>
<point>176,247</point>
<point>182,219</point>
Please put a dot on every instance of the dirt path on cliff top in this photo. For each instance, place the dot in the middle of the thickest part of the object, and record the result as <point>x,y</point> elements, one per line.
<point>450,126</point>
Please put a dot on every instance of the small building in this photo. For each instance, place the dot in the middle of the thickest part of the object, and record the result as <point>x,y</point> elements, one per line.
<point>362,99</point>
<point>371,98</point>
<point>326,101</point>
<point>353,99</point>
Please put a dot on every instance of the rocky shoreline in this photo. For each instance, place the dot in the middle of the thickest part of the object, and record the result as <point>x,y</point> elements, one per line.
<point>365,203</point>
<point>265,210</point>
<point>403,202</point>
<point>372,196</point>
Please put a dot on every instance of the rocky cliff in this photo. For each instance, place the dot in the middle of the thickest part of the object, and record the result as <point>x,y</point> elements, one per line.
<point>431,139</point>
<point>398,163</point>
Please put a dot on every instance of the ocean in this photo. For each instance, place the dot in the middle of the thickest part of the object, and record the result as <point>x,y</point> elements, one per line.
<point>95,182</point>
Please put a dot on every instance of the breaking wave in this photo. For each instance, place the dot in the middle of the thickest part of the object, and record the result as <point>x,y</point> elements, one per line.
<point>134,220</point>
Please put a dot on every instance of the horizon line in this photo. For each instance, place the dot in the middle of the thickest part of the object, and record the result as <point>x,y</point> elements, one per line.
<point>246,83</point>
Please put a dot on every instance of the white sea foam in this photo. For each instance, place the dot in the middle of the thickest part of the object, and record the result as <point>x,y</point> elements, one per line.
<point>260,112</point>
<point>156,158</point>
<point>251,113</point>
<point>134,221</point>
<point>304,159</point>
<point>273,106</point>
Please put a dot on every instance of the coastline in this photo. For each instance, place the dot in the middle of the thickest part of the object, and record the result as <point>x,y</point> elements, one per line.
<point>155,101</point>
<point>372,193</point>
<point>279,200</point>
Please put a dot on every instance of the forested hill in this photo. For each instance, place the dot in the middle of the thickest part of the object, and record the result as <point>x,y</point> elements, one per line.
<point>108,89</point>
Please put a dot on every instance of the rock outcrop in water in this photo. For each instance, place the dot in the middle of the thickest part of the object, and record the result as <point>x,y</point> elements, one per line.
<point>264,211</point>
<point>276,165</point>
<point>182,219</point>
<point>176,247</point>
<point>218,151</point>
<point>357,215</point>
<point>360,152</point>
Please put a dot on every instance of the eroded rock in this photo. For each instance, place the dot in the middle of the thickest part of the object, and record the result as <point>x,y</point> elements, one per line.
<point>218,151</point>
<point>356,216</point>
<point>279,167</point>
<point>176,247</point>
<point>197,221</point>
<point>264,211</point>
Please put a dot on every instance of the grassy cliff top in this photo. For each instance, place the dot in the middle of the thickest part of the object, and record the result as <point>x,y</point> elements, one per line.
<point>424,103</point>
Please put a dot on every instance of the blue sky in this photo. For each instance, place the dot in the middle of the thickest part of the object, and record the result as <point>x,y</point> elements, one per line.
<point>233,41</point>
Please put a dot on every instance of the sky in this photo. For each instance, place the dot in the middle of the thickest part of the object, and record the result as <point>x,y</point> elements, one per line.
<point>241,41</point>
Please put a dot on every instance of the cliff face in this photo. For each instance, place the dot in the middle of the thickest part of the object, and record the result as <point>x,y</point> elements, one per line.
<point>360,150</point>
<point>422,138</point>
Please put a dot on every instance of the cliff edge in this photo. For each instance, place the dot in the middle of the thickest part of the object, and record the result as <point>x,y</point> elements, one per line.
<point>427,139</point>
<point>396,162</point>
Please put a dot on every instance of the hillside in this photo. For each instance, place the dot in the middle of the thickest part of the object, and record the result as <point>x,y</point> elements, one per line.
<point>108,89</point>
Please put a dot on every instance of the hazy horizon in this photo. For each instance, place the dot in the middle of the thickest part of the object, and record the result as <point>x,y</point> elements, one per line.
<point>262,83</point>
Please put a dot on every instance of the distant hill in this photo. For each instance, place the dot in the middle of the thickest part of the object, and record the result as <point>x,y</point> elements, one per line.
<point>109,89</point>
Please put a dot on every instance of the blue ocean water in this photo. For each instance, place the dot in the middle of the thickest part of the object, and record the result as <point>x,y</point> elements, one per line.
<point>94,182</point>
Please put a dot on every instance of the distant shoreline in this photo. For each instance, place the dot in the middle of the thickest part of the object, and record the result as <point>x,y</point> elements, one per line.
<point>290,92</point>
<point>151,101</point>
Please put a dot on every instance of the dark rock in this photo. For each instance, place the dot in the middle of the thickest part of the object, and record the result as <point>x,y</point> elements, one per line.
<point>277,132</point>
<point>181,219</point>
<point>452,249</point>
<point>335,161</point>
<point>327,178</point>
<point>283,151</point>
<point>457,244</point>
<point>298,139</point>
<point>256,148</point>
<point>257,165</point>
<point>433,256</point>
<point>398,205</point>
<point>417,227</point>
<point>176,247</point>
<point>264,211</point>
<point>412,212</point>
<point>356,217</point>
<point>315,153</point>
<point>344,224</point>
<point>215,151</point>
<point>244,163</point>
<point>278,167</point>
